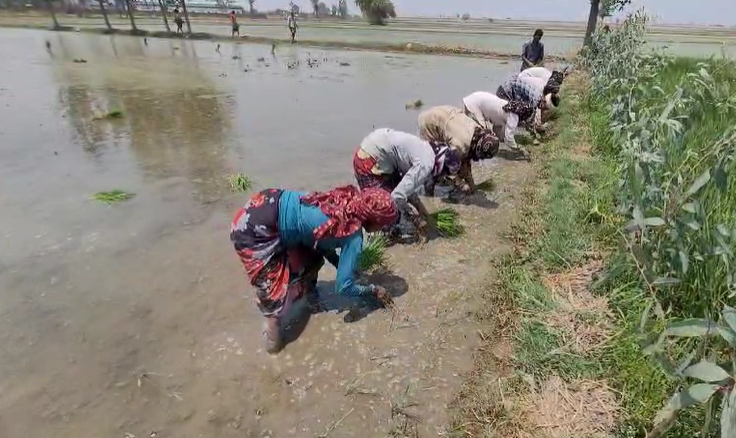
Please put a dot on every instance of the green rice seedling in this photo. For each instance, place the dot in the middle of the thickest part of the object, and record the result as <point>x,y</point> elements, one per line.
<point>240,182</point>
<point>373,255</point>
<point>112,114</point>
<point>414,104</point>
<point>447,223</point>
<point>113,196</point>
<point>487,185</point>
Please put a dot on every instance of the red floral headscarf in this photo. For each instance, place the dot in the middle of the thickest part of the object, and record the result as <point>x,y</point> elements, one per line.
<point>349,208</point>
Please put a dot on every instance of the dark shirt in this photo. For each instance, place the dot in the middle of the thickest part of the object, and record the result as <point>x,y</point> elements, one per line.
<point>532,51</point>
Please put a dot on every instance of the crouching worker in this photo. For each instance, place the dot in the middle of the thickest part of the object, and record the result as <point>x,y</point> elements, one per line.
<point>283,236</point>
<point>473,142</point>
<point>401,164</point>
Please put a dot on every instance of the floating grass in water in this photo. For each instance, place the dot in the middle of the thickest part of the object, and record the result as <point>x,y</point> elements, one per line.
<point>240,182</point>
<point>374,252</point>
<point>113,196</point>
<point>447,223</point>
<point>415,104</point>
<point>112,114</point>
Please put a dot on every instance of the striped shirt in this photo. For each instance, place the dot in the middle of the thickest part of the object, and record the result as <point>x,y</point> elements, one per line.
<point>516,88</point>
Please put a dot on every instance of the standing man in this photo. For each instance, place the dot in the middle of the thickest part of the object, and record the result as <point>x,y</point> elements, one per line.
<point>532,54</point>
<point>293,26</point>
<point>234,24</point>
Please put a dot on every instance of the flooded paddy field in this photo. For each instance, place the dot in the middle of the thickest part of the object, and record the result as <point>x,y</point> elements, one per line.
<point>501,36</point>
<point>134,320</point>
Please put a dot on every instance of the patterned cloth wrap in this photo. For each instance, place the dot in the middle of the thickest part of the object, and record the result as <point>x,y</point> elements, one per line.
<point>282,275</point>
<point>521,109</point>
<point>484,145</point>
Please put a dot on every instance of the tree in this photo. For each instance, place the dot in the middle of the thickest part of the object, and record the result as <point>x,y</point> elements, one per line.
<point>315,7</point>
<point>342,7</point>
<point>130,16</point>
<point>53,14</point>
<point>162,5</point>
<point>322,10</point>
<point>333,10</point>
<point>598,7</point>
<point>376,11</point>
<point>293,7</point>
<point>465,17</point>
<point>104,14</point>
<point>252,9</point>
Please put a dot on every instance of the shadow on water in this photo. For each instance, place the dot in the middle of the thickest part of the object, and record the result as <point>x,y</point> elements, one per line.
<point>354,309</point>
<point>174,120</point>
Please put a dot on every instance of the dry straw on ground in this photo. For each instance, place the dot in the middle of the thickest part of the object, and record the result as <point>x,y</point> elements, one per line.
<point>579,315</point>
<point>582,409</point>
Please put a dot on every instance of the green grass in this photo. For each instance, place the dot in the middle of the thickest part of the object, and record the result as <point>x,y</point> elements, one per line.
<point>373,255</point>
<point>113,196</point>
<point>240,182</point>
<point>570,214</point>
<point>447,223</point>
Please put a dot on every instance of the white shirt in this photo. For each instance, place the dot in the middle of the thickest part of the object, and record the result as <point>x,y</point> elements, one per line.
<point>538,83</point>
<point>536,72</point>
<point>487,107</point>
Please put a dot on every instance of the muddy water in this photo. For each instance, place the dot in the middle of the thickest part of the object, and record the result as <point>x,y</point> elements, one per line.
<point>134,318</point>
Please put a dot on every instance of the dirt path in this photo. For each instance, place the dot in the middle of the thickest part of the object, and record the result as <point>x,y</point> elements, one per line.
<point>178,353</point>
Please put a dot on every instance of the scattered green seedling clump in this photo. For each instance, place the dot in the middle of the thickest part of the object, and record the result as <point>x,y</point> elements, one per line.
<point>112,114</point>
<point>373,255</point>
<point>447,223</point>
<point>240,182</point>
<point>415,104</point>
<point>113,196</point>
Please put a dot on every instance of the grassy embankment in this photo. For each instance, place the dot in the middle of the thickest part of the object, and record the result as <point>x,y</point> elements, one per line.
<point>582,297</point>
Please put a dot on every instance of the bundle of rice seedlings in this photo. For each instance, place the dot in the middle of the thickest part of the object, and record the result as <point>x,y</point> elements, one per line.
<point>112,196</point>
<point>240,182</point>
<point>373,255</point>
<point>447,223</point>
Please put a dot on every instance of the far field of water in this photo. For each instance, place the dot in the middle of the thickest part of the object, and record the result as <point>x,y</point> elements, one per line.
<point>500,36</point>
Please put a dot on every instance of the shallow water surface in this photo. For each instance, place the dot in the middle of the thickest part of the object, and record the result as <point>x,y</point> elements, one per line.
<point>113,318</point>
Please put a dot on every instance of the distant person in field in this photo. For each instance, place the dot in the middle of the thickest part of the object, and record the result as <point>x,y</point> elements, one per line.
<point>234,24</point>
<point>179,22</point>
<point>502,114</point>
<point>473,142</point>
<point>402,164</point>
<point>532,54</point>
<point>293,26</point>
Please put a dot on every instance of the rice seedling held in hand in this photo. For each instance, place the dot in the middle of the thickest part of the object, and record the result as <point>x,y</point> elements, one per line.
<point>240,182</point>
<point>447,223</point>
<point>373,255</point>
<point>113,196</point>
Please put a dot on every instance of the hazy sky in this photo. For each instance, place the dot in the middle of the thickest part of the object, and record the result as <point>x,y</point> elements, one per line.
<point>668,11</point>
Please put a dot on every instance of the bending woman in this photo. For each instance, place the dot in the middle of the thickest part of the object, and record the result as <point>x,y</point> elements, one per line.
<point>504,115</point>
<point>401,164</point>
<point>283,236</point>
<point>473,142</point>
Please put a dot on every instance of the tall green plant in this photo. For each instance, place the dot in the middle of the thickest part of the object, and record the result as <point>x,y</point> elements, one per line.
<point>670,129</point>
